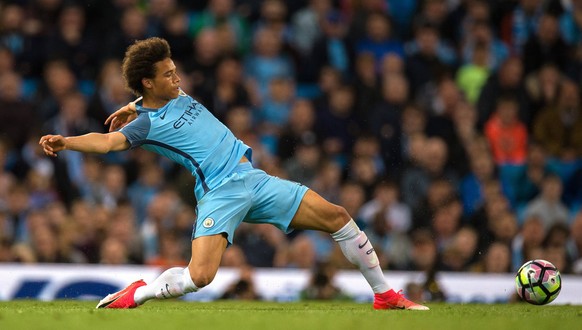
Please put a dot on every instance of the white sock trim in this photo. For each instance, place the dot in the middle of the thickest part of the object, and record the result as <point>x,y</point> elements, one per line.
<point>349,230</point>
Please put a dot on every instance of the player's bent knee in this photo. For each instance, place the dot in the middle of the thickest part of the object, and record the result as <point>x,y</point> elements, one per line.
<point>342,216</point>
<point>339,219</point>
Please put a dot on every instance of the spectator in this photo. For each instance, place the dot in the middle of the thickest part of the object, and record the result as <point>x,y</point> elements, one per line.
<point>497,259</point>
<point>306,26</point>
<point>522,23</point>
<point>352,197</point>
<point>547,205</point>
<point>240,121</point>
<point>386,222</point>
<point>423,255</point>
<point>570,27</point>
<point>243,288</point>
<point>132,26</point>
<point>171,252</point>
<point>386,206</point>
<point>201,65</point>
<point>428,56</point>
<point>228,90</point>
<point>379,40</point>
<point>267,61</point>
<point>327,182</point>
<point>546,46</point>
<point>367,146</point>
<point>22,34</point>
<point>220,16</point>
<point>359,12</point>
<point>273,14</point>
<point>366,82</point>
<point>472,76</point>
<point>17,120</point>
<point>480,34</point>
<point>149,182</point>
<point>446,221</point>
<point>472,185</point>
<point>364,171</point>
<point>122,226</point>
<point>161,212</point>
<point>507,81</point>
<point>528,241</point>
<point>416,181</point>
<point>384,119</point>
<point>507,135</point>
<point>304,165</point>
<point>301,253</point>
<point>71,119</point>
<point>504,227</point>
<point>113,252</point>
<point>58,81</point>
<point>110,93</point>
<point>464,250</point>
<point>465,138</point>
<point>333,48</point>
<point>435,12</point>
<point>300,126</point>
<point>273,113</point>
<point>439,191</point>
<point>543,87</point>
<point>74,41</point>
<point>559,127</point>
<point>173,26</point>
<point>233,257</point>
<point>485,219</point>
<point>523,182</point>
<point>321,285</point>
<point>337,124</point>
<point>266,239</point>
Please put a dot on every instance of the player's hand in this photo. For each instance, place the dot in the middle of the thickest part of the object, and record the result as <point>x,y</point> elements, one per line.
<point>51,144</point>
<point>121,117</point>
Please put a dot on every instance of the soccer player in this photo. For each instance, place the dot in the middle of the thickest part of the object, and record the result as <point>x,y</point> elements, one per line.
<point>229,190</point>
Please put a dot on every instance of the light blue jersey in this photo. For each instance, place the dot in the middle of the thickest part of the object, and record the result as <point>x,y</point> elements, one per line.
<point>228,192</point>
<point>187,133</point>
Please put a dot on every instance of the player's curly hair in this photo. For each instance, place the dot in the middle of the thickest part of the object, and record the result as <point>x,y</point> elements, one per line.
<point>139,61</point>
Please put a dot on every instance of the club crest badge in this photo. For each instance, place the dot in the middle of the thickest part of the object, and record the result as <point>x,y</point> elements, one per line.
<point>208,222</point>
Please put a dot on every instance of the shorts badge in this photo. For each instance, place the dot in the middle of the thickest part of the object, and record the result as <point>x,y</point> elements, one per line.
<point>208,222</point>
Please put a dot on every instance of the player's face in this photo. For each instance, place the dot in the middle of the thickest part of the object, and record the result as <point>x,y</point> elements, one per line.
<point>166,84</point>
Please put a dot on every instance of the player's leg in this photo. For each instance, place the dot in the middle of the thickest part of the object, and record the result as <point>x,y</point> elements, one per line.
<point>316,213</point>
<point>174,282</point>
<point>220,212</point>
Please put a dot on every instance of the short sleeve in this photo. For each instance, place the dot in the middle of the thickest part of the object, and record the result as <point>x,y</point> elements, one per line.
<point>137,131</point>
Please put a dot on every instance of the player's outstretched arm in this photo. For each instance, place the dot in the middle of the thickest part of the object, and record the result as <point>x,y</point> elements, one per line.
<point>122,116</point>
<point>90,143</point>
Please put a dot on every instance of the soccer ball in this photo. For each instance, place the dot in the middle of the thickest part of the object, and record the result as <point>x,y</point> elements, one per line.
<point>538,282</point>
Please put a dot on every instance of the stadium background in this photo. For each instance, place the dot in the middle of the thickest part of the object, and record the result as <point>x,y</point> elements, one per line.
<point>450,130</point>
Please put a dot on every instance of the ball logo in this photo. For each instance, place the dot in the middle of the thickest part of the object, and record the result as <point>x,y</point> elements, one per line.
<point>208,222</point>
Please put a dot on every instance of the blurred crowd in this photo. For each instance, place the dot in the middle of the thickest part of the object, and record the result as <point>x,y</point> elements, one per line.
<point>451,130</point>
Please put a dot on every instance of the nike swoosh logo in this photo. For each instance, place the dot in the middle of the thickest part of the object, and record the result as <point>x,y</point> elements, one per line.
<point>362,245</point>
<point>163,115</point>
<point>168,289</point>
<point>107,303</point>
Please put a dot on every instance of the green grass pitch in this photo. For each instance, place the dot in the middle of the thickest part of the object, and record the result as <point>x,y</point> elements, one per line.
<point>236,315</point>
